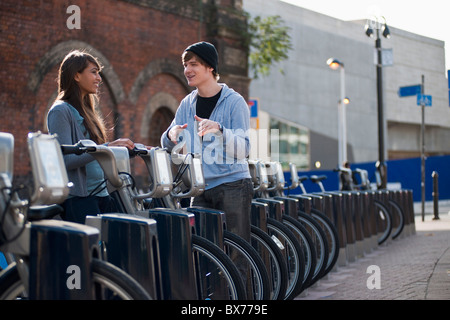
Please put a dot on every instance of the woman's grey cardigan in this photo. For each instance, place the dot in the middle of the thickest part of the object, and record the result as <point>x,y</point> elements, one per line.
<point>62,122</point>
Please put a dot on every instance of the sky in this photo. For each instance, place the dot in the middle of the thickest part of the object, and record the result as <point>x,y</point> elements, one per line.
<point>429,18</point>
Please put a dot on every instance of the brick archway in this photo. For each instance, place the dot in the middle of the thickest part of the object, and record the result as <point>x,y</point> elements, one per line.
<point>158,115</point>
<point>161,119</point>
<point>56,54</point>
<point>45,68</point>
<point>154,68</point>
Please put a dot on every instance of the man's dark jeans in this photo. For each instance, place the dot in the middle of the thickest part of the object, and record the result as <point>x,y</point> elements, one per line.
<point>235,199</point>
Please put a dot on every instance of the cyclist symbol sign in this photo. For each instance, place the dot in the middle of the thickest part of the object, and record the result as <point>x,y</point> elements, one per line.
<point>424,100</point>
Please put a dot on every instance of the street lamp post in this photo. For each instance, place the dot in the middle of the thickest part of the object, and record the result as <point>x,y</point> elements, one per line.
<point>342,125</point>
<point>381,165</point>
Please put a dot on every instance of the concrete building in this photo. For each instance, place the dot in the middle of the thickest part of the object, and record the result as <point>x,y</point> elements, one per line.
<point>302,101</point>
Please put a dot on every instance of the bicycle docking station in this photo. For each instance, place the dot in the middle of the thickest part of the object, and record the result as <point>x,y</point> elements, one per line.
<point>273,207</point>
<point>167,233</point>
<point>152,245</point>
<point>62,249</point>
<point>173,226</point>
<point>365,218</point>
<point>362,219</point>
<point>55,246</point>
<point>189,182</point>
<point>269,213</point>
<point>262,209</point>
<point>131,243</point>
<point>210,223</point>
<point>156,241</point>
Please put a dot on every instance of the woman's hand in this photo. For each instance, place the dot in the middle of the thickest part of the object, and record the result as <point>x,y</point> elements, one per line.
<point>122,142</point>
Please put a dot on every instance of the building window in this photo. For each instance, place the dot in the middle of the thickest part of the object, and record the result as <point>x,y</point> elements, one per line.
<point>293,144</point>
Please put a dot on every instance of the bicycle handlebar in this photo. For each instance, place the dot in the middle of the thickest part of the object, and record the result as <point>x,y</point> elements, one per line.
<point>190,174</point>
<point>157,163</point>
<point>138,150</point>
<point>259,175</point>
<point>272,177</point>
<point>102,154</point>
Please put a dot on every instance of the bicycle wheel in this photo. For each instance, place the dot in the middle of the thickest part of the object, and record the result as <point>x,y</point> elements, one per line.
<point>273,260</point>
<point>295,260</point>
<point>331,236</point>
<point>110,282</point>
<point>307,245</point>
<point>321,245</point>
<point>399,219</point>
<point>11,286</point>
<point>256,277</point>
<point>217,276</point>
<point>114,283</point>
<point>383,221</point>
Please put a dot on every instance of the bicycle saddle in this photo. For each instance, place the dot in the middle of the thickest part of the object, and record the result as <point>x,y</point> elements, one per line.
<point>315,178</point>
<point>303,178</point>
<point>36,213</point>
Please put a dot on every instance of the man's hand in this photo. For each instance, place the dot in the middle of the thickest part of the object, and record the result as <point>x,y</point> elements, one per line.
<point>206,126</point>
<point>175,132</point>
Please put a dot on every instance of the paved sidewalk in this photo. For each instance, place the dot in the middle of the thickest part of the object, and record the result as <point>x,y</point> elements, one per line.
<point>414,267</point>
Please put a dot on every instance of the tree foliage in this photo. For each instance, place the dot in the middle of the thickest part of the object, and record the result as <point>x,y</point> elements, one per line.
<point>269,42</point>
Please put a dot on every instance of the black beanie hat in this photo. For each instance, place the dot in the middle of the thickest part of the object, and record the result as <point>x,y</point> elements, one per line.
<point>207,52</point>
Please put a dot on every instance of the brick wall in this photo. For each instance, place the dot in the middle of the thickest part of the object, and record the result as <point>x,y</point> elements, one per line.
<point>138,41</point>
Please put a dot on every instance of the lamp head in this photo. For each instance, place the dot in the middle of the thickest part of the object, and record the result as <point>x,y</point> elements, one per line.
<point>334,63</point>
<point>386,31</point>
<point>369,31</point>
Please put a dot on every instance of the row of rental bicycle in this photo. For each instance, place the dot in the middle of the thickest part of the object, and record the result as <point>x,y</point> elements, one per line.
<point>158,249</point>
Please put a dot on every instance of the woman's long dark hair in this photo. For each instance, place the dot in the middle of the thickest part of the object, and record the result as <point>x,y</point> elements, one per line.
<point>69,91</point>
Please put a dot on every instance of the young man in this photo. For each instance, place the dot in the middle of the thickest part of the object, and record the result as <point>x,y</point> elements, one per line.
<point>214,120</point>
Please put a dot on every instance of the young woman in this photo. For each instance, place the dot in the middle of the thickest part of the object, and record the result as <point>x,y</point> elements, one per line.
<point>73,117</point>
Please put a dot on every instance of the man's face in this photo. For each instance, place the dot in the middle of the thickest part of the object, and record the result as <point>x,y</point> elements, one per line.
<point>197,74</point>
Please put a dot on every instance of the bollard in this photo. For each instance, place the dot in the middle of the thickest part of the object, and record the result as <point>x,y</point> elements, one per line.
<point>435,177</point>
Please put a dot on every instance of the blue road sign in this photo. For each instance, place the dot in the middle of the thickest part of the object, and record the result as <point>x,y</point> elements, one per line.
<point>423,99</point>
<point>253,105</point>
<point>410,90</point>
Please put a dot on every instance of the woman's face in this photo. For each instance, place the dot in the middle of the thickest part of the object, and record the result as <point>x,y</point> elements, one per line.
<point>89,79</point>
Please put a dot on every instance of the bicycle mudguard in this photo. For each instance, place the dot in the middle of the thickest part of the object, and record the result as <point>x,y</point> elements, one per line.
<point>131,243</point>
<point>175,229</point>
<point>305,202</point>
<point>291,206</point>
<point>64,250</point>
<point>275,207</point>
<point>210,224</point>
<point>259,214</point>
<point>36,213</point>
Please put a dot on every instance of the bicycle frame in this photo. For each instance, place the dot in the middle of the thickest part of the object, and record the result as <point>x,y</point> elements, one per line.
<point>45,252</point>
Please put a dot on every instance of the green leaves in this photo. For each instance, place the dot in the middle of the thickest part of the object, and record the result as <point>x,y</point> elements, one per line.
<point>269,42</point>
